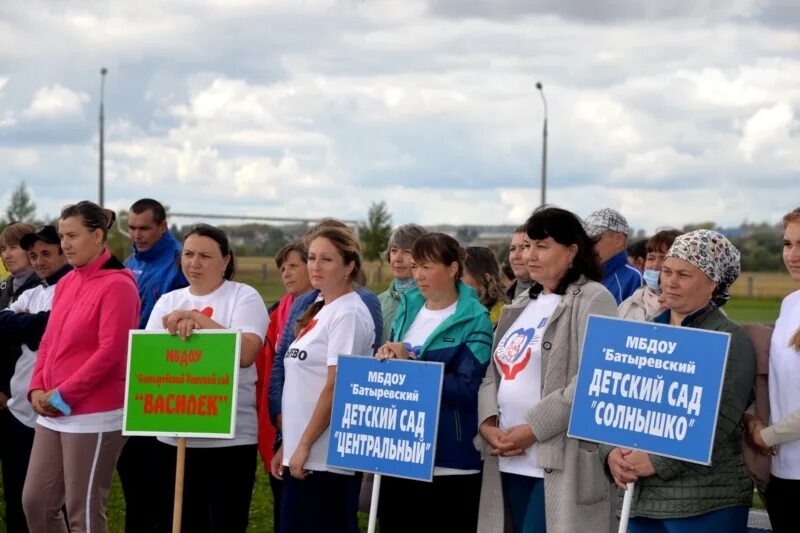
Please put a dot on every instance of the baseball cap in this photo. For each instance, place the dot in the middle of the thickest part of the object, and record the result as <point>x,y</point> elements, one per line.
<point>46,234</point>
<point>606,220</point>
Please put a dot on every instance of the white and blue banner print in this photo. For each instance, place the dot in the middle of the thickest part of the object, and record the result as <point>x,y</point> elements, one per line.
<point>650,387</point>
<point>385,415</point>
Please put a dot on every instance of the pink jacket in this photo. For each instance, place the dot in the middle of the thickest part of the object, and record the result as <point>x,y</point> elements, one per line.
<point>84,349</point>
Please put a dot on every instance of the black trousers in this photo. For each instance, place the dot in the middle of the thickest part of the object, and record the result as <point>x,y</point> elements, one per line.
<point>140,457</point>
<point>217,489</point>
<point>449,503</point>
<point>323,502</point>
<point>277,497</point>
<point>781,499</point>
<point>16,453</point>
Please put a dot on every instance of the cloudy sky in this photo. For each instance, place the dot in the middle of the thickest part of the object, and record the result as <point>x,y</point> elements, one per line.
<point>670,111</point>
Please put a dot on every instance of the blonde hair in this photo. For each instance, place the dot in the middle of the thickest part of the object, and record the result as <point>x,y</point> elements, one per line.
<point>788,218</point>
<point>350,250</point>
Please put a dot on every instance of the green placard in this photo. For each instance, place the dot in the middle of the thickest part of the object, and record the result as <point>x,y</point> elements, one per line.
<point>182,388</point>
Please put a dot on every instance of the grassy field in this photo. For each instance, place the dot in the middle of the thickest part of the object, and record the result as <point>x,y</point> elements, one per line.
<point>741,309</point>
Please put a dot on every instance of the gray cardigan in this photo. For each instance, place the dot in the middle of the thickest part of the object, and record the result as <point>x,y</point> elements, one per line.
<point>578,496</point>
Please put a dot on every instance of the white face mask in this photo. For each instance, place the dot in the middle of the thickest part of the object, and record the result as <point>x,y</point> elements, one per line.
<point>651,278</point>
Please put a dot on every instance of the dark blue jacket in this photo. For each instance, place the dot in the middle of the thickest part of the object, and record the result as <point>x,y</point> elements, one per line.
<point>463,342</point>
<point>157,271</point>
<point>620,278</point>
<point>28,328</point>
<point>301,303</point>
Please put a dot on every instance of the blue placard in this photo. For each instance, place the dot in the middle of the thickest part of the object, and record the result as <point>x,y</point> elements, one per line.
<point>650,387</point>
<point>385,415</point>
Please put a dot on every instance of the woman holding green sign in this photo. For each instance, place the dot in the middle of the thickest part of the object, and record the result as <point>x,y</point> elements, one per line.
<point>220,473</point>
<point>316,498</point>
<point>674,495</point>
<point>78,383</point>
<point>533,473</point>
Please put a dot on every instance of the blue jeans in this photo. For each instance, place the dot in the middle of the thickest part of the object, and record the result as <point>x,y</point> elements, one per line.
<point>730,520</point>
<point>524,496</point>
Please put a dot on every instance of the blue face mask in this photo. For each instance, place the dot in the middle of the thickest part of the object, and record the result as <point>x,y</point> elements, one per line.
<point>651,278</point>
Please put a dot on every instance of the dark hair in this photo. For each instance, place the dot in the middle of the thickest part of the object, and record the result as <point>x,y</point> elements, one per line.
<point>505,268</point>
<point>148,204</point>
<point>522,228</point>
<point>662,240</point>
<point>638,249</point>
<point>283,253</point>
<point>439,248</point>
<point>482,265</point>
<point>219,236</point>
<point>350,250</point>
<point>93,217</point>
<point>566,229</point>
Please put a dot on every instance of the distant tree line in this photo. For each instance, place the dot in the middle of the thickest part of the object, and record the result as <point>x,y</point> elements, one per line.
<point>759,243</point>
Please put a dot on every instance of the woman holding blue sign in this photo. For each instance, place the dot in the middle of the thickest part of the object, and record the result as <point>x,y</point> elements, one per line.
<point>533,472</point>
<point>782,437</point>
<point>220,473</point>
<point>674,495</point>
<point>441,320</point>
<point>316,498</point>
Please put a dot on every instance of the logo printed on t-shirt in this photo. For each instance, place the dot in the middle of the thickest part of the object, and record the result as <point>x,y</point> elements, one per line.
<point>207,311</point>
<point>413,351</point>
<point>514,352</point>
<point>306,329</point>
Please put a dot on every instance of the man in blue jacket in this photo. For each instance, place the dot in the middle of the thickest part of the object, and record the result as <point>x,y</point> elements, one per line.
<point>156,257</point>
<point>609,230</point>
<point>155,263</point>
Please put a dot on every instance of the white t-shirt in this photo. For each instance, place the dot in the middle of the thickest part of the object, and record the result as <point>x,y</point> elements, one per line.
<point>784,377</point>
<point>233,306</point>
<point>35,300</point>
<point>518,358</point>
<point>424,324</point>
<point>343,326</point>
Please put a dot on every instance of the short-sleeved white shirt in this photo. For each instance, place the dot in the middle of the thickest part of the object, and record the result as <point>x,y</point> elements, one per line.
<point>234,306</point>
<point>784,376</point>
<point>343,326</point>
<point>518,358</point>
<point>424,324</point>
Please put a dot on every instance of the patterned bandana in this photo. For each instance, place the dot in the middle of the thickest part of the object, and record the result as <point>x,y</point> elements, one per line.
<point>712,253</point>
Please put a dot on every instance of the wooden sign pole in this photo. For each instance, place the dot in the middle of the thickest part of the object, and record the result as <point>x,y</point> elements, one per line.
<point>180,465</point>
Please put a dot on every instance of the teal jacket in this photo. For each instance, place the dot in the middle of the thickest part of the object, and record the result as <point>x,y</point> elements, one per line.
<point>463,343</point>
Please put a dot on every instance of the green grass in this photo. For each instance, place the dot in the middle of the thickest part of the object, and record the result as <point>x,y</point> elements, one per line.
<point>753,310</point>
<point>739,309</point>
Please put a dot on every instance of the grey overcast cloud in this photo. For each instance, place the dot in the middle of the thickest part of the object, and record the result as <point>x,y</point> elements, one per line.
<point>671,112</point>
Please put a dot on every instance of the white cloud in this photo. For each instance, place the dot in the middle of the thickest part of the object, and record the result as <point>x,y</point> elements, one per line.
<point>309,108</point>
<point>768,128</point>
<point>56,101</point>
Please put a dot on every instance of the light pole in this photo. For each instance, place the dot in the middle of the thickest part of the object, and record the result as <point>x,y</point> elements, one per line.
<point>103,72</point>
<point>544,144</point>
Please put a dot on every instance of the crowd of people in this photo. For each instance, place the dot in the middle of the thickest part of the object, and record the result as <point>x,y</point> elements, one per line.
<point>509,334</point>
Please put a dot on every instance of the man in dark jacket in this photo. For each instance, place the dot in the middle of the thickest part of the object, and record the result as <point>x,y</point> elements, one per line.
<point>610,230</point>
<point>155,263</point>
<point>21,277</point>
